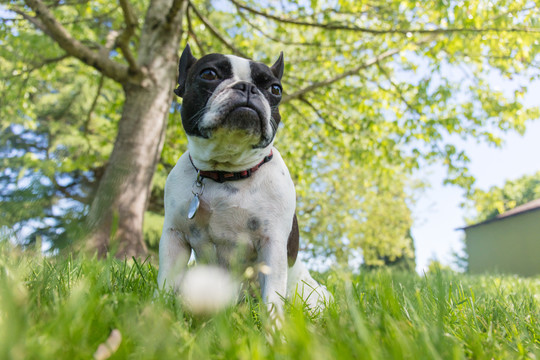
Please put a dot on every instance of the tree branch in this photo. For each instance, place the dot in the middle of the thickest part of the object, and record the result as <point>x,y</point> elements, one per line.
<point>173,11</point>
<point>320,115</point>
<point>350,27</point>
<point>46,22</point>
<point>191,33</point>
<point>274,39</point>
<point>398,90</point>
<point>127,33</point>
<point>216,33</point>
<point>101,17</point>
<point>64,190</point>
<point>45,62</point>
<point>34,21</point>
<point>93,106</point>
<point>330,81</point>
<point>322,139</point>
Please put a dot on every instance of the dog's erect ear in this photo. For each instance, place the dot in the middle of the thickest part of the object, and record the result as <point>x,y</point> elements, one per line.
<point>277,68</point>
<point>186,61</point>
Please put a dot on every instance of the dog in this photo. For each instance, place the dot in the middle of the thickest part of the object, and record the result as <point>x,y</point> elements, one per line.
<point>230,197</point>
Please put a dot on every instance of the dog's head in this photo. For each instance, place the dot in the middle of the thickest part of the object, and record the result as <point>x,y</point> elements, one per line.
<point>229,100</point>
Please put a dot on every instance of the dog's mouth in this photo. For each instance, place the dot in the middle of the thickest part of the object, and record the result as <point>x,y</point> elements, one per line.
<point>243,111</point>
<point>240,117</point>
<point>244,118</point>
<point>243,115</point>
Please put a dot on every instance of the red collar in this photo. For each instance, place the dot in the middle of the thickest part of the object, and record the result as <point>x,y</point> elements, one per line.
<point>222,176</point>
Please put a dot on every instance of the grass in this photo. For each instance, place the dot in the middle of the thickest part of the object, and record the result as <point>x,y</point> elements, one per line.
<point>65,308</point>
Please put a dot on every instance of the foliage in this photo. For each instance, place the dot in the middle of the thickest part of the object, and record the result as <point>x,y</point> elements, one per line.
<point>488,204</point>
<point>373,91</point>
<point>58,125</point>
<point>54,308</point>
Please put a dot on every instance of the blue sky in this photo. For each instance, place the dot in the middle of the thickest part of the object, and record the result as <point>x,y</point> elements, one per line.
<point>437,213</point>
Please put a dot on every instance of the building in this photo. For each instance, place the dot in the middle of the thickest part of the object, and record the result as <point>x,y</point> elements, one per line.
<point>508,243</point>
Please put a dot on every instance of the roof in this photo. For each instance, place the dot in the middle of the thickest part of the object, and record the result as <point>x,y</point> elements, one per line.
<point>521,209</point>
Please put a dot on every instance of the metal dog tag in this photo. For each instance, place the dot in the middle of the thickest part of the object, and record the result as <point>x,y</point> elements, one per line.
<point>197,190</point>
<point>193,206</point>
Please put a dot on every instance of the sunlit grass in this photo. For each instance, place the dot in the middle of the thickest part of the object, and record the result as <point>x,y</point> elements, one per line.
<point>65,308</point>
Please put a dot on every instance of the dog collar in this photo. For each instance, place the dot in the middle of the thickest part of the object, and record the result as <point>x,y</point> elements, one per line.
<point>222,176</point>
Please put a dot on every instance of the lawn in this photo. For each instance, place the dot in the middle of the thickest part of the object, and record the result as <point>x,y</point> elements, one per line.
<point>64,308</point>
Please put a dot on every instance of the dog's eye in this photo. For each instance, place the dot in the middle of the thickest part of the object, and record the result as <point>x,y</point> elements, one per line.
<point>276,90</point>
<point>208,74</point>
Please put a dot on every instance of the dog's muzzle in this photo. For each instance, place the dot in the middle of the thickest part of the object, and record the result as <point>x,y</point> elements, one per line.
<point>245,109</point>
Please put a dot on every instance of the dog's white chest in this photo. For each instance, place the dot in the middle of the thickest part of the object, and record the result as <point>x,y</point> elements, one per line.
<point>233,219</point>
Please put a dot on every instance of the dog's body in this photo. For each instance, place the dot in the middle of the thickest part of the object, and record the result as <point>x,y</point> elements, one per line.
<point>230,114</point>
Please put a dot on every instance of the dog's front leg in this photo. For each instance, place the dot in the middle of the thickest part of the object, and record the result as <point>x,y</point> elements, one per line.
<point>273,278</point>
<point>174,253</point>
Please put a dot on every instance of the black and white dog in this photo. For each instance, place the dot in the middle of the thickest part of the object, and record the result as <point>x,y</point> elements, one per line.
<point>230,197</point>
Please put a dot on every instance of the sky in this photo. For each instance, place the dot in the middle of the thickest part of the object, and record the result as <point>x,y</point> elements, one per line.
<point>437,213</point>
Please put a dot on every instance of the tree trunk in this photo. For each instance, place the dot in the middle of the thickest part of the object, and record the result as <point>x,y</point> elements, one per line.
<point>117,211</point>
<point>120,202</point>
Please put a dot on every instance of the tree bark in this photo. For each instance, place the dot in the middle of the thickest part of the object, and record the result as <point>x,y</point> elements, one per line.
<point>120,202</point>
<point>117,211</point>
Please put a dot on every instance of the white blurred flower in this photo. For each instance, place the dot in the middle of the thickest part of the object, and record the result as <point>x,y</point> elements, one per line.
<point>206,290</point>
<point>109,347</point>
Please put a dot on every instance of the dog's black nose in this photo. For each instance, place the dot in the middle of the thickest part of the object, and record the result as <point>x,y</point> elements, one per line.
<point>245,87</point>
